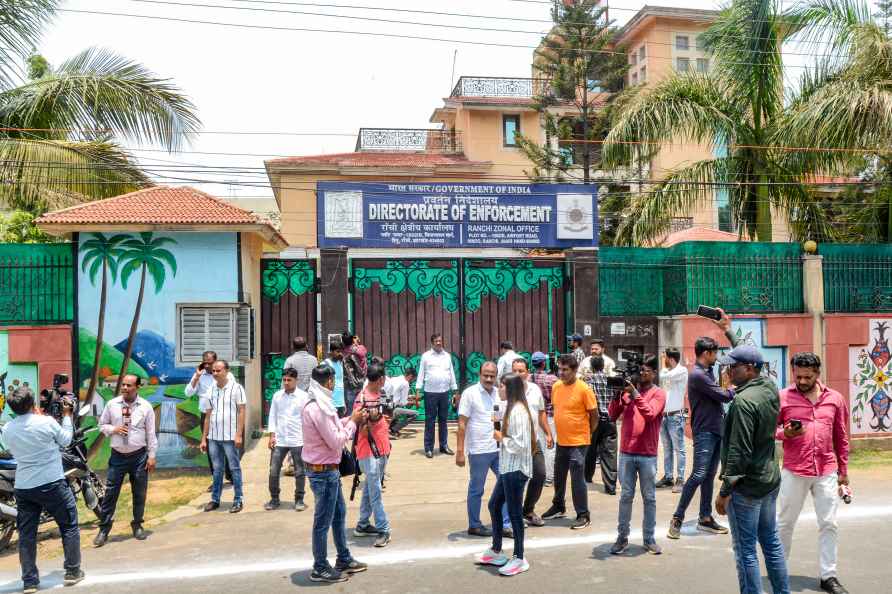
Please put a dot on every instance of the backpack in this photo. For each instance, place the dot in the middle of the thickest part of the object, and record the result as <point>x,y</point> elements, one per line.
<point>354,376</point>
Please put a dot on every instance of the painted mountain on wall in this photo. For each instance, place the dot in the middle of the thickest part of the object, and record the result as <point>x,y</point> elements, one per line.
<point>156,355</point>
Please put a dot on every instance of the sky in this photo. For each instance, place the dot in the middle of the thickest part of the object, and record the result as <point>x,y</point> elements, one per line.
<point>323,86</point>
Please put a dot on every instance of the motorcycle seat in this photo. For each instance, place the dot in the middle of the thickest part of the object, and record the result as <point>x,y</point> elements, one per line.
<point>7,464</point>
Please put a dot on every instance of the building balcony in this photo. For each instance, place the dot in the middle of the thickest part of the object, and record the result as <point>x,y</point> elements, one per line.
<point>498,87</point>
<point>409,140</point>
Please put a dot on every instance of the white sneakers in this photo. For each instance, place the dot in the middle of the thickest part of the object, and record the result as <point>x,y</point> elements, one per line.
<point>514,567</point>
<point>506,567</point>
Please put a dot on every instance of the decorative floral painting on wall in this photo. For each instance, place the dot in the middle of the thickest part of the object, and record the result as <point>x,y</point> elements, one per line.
<point>871,381</point>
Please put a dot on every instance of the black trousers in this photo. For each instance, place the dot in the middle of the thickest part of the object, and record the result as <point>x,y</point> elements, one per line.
<point>226,472</point>
<point>534,487</point>
<point>119,466</point>
<point>570,459</point>
<point>603,452</point>
<point>436,411</point>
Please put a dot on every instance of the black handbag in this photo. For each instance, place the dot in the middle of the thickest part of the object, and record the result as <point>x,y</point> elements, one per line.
<point>347,466</point>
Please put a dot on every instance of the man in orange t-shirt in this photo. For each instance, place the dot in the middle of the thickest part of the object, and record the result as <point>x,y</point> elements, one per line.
<point>575,418</point>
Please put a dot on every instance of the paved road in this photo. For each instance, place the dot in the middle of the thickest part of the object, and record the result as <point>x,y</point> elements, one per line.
<point>260,551</point>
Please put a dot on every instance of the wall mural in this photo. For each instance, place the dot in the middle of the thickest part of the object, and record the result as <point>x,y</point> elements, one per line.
<point>870,386</point>
<point>13,375</point>
<point>129,286</point>
<point>751,332</point>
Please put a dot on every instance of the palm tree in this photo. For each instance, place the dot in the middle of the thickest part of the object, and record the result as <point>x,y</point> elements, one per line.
<point>23,21</point>
<point>739,104</point>
<point>148,255</point>
<point>61,149</point>
<point>101,253</point>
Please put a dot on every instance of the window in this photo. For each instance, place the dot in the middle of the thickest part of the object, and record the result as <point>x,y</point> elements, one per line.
<point>702,65</point>
<point>682,64</point>
<point>633,58</point>
<point>682,42</point>
<point>642,52</point>
<point>644,74</point>
<point>634,78</point>
<point>227,329</point>
<point>510,128</point>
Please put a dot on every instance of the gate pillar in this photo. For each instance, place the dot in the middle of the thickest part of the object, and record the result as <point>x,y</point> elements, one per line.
<point>334,290</point>
<point>584,272</point>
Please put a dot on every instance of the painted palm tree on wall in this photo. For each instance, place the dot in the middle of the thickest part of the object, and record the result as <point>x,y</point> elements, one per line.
<point>101,253</point>
<point>148,255</point>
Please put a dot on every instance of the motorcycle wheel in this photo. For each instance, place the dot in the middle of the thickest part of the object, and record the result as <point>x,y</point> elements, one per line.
<point>7,528</point>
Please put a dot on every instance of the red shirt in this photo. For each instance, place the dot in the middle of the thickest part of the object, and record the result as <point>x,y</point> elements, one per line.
<point>642,416</point>
<point>824,447</point>
<point>380,430</point>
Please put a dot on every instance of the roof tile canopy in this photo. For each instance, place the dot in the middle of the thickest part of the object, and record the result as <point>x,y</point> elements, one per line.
<point>158,205</point>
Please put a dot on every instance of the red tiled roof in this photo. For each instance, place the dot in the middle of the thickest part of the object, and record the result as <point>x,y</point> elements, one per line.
<point>699,234</point>
<point>158,205</point>
<point>379,159</point>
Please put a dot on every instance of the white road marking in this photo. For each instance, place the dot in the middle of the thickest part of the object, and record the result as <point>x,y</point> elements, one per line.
<point>388,557</point>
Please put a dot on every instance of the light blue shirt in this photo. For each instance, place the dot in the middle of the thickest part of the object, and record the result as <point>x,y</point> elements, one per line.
<point>337,395</point>
<point>35,442</point>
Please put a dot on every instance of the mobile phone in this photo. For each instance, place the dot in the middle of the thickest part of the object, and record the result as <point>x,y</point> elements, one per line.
<point>795,424</point>
<point>712,313</point>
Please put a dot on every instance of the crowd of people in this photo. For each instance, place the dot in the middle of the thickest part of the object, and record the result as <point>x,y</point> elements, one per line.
<point>522,423</point>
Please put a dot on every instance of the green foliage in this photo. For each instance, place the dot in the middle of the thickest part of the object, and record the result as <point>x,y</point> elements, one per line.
<point>176,391</point>
<point>22,21</point>
<point>147,252</point>
<point>109,357</point>
<point>38,66</point>
<point>18,227</point>
<point>577,66</point>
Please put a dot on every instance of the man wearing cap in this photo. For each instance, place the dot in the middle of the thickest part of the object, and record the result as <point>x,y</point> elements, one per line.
<point>575,342</point>
<point>750,473</point>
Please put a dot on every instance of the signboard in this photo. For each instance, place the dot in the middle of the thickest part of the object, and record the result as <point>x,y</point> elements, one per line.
<point>469,215</point>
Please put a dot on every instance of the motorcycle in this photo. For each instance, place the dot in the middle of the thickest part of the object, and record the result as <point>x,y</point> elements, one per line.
<point>82,480</point>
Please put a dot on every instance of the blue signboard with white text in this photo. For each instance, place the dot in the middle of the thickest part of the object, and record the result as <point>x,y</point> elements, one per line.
<point>453,215</point>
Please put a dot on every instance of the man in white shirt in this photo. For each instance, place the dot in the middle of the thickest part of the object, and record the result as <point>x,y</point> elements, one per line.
<point>397,388</point>
<point>129,421</point>
<point>224,433</point>
<point>596,348</point>
<point>506,359</point>
<point>536,404</point>
<point>200,386</point>
<point>674,380</point>
<point>436,379</point>
<point>286,437</point>
<point>475,418</point>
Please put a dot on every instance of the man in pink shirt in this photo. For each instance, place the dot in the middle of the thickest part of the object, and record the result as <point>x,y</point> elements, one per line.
<point>641,407</point>
<point>813,425</point>
<point>325,436</point>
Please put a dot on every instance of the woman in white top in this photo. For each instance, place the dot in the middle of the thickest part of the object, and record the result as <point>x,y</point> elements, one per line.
<point>517,439</point>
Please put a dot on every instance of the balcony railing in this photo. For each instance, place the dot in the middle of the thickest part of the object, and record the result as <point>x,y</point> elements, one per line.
<point>409,140</point>
<point>483,86</point>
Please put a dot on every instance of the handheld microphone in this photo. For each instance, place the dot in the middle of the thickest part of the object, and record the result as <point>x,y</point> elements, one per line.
<point>496,419</point>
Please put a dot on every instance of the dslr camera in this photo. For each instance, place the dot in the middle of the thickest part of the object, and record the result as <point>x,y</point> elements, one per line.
<point>628,371</point>
<point>52,400</point>
<point>382,407</point>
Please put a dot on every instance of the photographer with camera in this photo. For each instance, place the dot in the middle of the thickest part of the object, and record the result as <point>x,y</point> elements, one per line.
<point>129,421</point>
<point>372,450</point>
<point>640,403</point>
<point>35,441</point>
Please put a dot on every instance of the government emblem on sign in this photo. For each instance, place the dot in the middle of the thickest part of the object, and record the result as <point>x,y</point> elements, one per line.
<point>574,216</point>
<point>343,214</point>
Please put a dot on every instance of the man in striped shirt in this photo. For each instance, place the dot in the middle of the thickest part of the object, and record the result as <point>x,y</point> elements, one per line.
<point>224,432</point>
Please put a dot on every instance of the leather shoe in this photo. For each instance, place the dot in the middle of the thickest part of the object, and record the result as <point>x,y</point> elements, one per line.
<point>236,507</point>
<point>211,505</point>
<point>447,451</point>
<point>100,539</point>
<point>138,532</point>
<point>481,531</point>
<point>429,453</point>
<point>833,586</point>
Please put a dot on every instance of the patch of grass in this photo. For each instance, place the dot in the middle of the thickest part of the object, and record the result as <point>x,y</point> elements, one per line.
<point>869,458</point>
<point>190,405</point>
<point>176,391</point>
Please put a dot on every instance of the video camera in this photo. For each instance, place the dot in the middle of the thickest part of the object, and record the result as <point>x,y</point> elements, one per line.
<point>630,371</point>
<point>52,400</point>
<point>383,406</point>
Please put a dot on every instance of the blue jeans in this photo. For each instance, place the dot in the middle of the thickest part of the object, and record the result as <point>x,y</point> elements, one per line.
<point>222,452</point>
<point>57,499</point>
<point>508,492</point>
<point>373,469</point>
<point>753,520</point>
<point>707,453</point>
<point>642,469</point>
<point>330,512</point>
<point>672,436</point>
<point>120,466</point>
<point>479,464</point>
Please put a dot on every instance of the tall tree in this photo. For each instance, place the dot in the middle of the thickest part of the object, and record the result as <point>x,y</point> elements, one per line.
<point>59,147</point>
<point>884,14</point>
<point>101,254</point>
<point>739,104</point>
<point>148,255</point>
<point>23,20</point>
<point>579,70</point>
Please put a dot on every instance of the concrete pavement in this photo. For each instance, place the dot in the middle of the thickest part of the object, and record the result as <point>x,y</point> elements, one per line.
<point>262,551</point>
